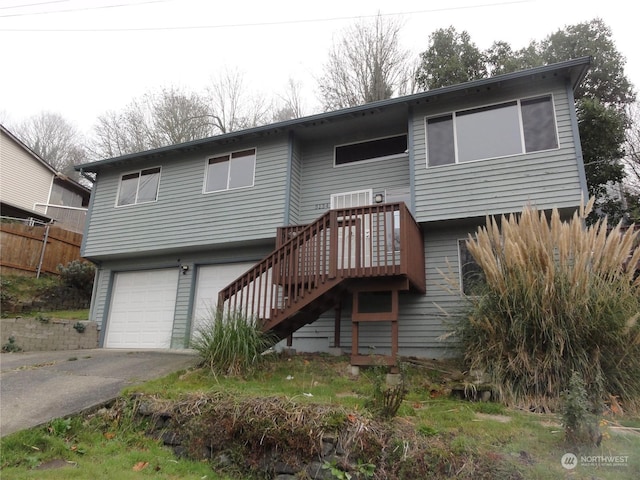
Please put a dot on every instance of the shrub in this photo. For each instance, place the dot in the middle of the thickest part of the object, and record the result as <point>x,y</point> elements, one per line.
<point>579,420</point>
<point>385,400</point>
<point>6,297</point>
<point>78,275</point>
<point>555,299</point>
<point>231,344</point>
<point>80,327</point>
<point>11,346</point>
<point>71,289</point>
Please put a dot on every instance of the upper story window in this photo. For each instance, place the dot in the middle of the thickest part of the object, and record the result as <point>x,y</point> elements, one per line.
<point>378,149</point>
<point>63,196</point>
<point>139,187</point>
<point>232,170</point>
<point>510,128</point>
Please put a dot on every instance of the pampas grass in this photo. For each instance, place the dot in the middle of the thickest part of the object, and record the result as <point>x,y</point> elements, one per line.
<point>557,299</point>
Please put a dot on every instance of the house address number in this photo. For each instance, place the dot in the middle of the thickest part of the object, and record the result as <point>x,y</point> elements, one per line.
<point>322,206</point>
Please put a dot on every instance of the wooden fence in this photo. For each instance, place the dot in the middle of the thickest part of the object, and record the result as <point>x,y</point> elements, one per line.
<point>30,250</point>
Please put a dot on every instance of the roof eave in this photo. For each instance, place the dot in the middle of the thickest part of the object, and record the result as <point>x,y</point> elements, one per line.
<point>576,69</point>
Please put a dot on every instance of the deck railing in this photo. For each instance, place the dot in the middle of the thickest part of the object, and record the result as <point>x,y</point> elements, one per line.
<point>360,242</point>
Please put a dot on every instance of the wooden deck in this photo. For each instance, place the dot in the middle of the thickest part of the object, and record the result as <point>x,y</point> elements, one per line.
<point>372,245</point>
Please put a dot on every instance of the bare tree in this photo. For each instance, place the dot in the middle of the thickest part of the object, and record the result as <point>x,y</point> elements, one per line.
<point>289,104</point>
<point>232,107</point>
<point>177,117</point>
<point>168,116</point>
<point>118,133</point>
<point>54,139</point>
<point>366,64</point>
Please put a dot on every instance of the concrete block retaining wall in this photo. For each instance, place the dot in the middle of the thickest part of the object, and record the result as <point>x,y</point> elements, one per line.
<point>31,334</point>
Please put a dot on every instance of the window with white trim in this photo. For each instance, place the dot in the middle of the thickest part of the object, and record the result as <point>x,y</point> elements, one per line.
<point>139,187</point>
<point>471,274</point>
<point>231,170</point>
<point>377,149</point>
<point>509,128</point>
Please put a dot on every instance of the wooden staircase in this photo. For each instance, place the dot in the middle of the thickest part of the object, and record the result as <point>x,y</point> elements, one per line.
<point>314,265</point>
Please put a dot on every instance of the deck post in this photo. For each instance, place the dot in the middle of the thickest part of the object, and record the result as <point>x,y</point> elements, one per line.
<point>336,325</point>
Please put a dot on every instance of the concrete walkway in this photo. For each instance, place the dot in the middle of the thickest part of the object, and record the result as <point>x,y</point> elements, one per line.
<point>36,387</point>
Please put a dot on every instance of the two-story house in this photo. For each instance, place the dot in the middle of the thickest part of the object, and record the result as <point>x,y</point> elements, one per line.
<point>30,188</point>
<point>332,229</point>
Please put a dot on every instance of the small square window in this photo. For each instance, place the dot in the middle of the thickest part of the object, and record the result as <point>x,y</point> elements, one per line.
<point>139,187</point>
<point>234,170</point>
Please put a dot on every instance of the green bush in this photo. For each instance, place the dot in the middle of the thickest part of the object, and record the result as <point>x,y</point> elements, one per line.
<point>231,344</point>
<point>78,275</point>
<point>555,299</point>
<point>6,297</point>
<point>11,346</point>
<point>579,420</point>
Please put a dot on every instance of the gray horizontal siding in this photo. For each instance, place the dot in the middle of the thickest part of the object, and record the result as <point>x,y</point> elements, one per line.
<point>183,216</point>
<point>295,192</point>
<point>421,323</point>
<point>494,186</point>
<point>100,296</point>
<point>320,178</point>
<point>186,282</point>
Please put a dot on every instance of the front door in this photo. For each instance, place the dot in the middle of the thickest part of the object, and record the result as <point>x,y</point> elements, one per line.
<point>354,232</point>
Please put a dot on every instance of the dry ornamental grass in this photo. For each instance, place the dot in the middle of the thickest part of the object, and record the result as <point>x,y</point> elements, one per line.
<point>557,297</point>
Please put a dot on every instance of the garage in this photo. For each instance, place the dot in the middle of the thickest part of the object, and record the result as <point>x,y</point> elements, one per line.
<point>142,309</point>
<point>210,280</point>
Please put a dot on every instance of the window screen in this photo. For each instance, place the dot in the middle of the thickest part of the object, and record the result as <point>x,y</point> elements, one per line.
<point>440,143</point>
<point>538,124</point>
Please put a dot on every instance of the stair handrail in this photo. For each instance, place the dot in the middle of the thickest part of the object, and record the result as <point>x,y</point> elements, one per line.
<point>269,261</point>
<point>282,277</point>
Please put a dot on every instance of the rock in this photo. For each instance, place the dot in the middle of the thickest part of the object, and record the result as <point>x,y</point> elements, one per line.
<point>282,468</point>
<point>314,470</point>
<point>145,409</point>
<point>223,460</point>
<point>328,447</point>
<point>171,438</point>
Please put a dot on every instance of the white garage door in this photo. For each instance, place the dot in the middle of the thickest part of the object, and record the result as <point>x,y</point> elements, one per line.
<point>142,309</point>
<point>211,279</point>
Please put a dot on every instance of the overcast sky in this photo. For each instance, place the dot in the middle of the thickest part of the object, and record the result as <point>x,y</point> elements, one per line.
<point>81,58</point>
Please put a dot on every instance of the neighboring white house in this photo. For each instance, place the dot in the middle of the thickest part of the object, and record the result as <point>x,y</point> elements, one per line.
<point>31,188</point>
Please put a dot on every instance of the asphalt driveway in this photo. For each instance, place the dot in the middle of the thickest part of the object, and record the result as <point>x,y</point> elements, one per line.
<point>38,386</point>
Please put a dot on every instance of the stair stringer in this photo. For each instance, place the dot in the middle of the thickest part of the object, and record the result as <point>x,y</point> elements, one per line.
<point>307,309</point>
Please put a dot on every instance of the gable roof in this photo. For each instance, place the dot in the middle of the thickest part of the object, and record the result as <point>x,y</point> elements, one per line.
<point>58,176</point>
<point>573,70</point>
<point>28,150</point>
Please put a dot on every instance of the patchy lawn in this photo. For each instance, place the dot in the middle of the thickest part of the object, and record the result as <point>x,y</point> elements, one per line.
<point>293,400</point>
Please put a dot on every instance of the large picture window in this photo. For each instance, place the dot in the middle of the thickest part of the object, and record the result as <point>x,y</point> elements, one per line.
<point>139,187</point>
<point>510,128</point>
<point>229,171</point>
